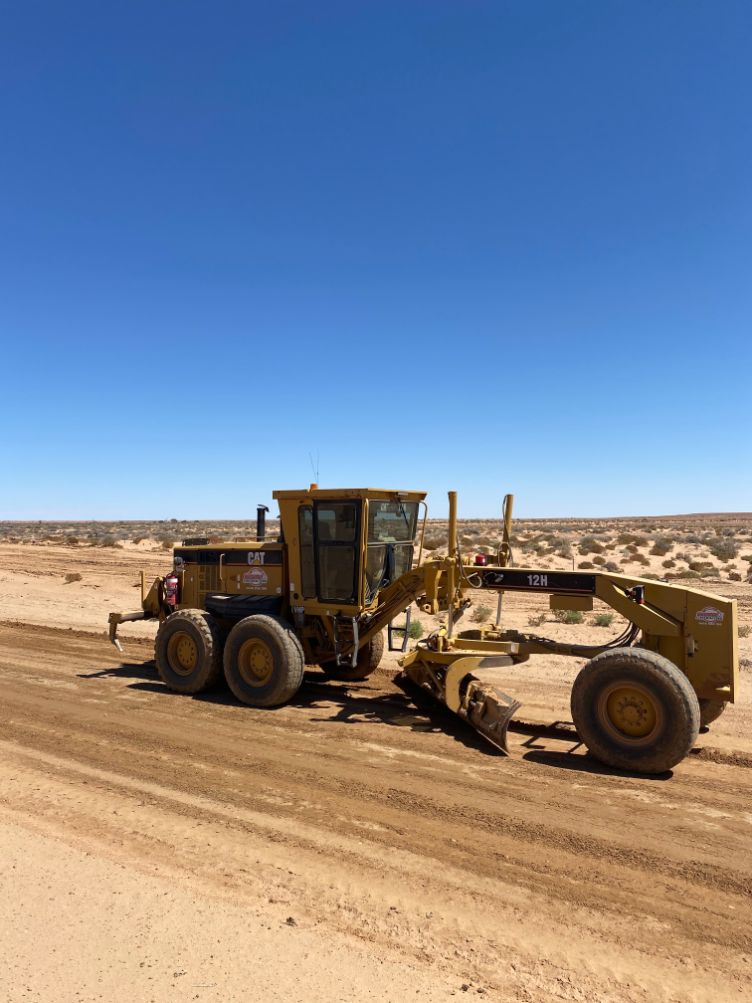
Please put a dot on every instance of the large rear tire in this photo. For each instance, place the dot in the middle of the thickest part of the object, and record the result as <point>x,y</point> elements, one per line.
<point>188,651</point>
<point>635,710</point>
<point>711,710</point>
<point>263,661</point>
<point>369,657</point>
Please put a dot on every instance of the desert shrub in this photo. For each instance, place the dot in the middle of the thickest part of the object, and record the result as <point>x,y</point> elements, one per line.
<point>598,559</point>
<point>481,614</point>
<point>108,541</point>
<point>537,620</point>
<point>661,546</point>
<point>612,566</point>
<point>589,545</point>
<point>72,541</point>
<point>640,559</point>
<point>167,544</point>
<point>668,563</point>
<point>746,557</point>
<point>686,573</point>
<point>624,538</point>
<point>603,619</point>
<point>710,572</point>
<point>744,630</point>
<point>724,549</point>
<point>745,664</point>
<point>433,540</point>
<point>734,576</point>
<point>586,565</point>
<point>415,630</point>
<point>72,576</point>
<point>569,615</point>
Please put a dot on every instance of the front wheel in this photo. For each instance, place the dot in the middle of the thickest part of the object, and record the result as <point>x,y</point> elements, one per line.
<point>635,710</point>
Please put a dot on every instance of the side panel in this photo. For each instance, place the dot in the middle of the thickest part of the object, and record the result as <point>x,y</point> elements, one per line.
<point>234,569</point>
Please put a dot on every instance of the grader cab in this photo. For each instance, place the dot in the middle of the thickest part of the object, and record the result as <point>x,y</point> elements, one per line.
<point>348,561</point>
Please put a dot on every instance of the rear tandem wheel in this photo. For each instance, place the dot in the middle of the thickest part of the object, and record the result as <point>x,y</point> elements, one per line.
<point>367,662</point>
<point>188,651</point>
<point>635,710</point>
<point>263,661</point>
<point>711,710</point>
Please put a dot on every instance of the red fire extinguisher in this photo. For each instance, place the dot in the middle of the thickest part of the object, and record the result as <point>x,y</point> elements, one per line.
<point>171,583</point>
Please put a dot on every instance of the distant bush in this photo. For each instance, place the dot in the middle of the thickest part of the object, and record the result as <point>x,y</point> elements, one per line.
<point>72,541</point>
<point>670,563</point>
<point>481,614</point>
<point>569,615</point>
<point>598,559</point>
<point>734,576</point>
<point>661,546</point>
<point>536,621</point>
<point>72,576</point>
<point>744,630</point>
<point>589,545</point>
<point>603,619</point>
<point>415,630</point>
<point>724,549</point>
<point>586,565</point>
<point>612,567</point>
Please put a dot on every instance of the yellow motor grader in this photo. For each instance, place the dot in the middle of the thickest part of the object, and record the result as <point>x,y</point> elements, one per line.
<point>347,562</point>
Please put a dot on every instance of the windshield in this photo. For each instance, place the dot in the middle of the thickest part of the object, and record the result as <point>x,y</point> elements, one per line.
<point>392,522</point>
<point>391,532</point>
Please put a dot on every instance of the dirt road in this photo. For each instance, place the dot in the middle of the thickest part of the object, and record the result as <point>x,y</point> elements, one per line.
<point>355,848</point>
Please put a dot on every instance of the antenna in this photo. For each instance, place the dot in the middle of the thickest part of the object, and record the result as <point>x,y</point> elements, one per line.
<point>314,469</point>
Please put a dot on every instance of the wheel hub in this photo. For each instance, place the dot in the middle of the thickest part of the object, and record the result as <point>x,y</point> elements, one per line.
<point>255,662</point>
<point>182,653</point>
<point>629,712</point>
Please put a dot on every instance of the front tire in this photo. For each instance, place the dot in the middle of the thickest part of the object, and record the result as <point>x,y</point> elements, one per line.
<point>188,651</point>
<point>369,657</point>
<point>635,710</point>
<point>263,661</point>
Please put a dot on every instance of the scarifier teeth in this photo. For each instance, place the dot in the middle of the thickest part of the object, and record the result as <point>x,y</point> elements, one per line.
<point>489,710</point>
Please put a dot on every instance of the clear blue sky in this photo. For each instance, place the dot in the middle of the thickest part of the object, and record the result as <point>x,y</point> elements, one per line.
<point>485,246</point>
